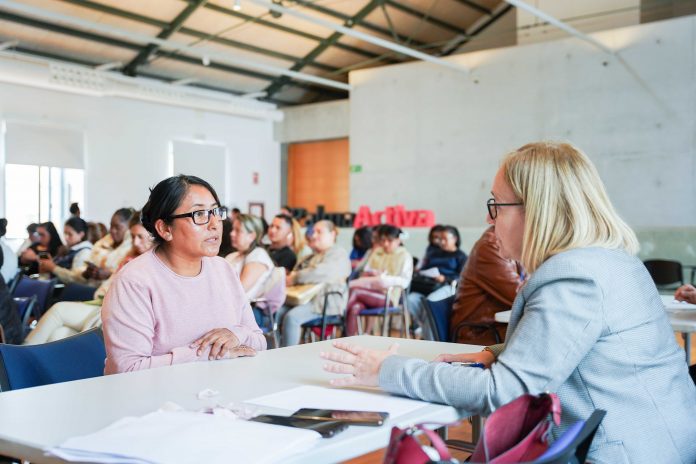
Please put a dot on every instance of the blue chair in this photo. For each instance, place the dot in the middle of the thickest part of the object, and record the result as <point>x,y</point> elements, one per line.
<point>573,446</point>
<point>43,289</point>
<point>77,292</point>
<point>386,313</point>
<point>438,316</point>
<point>78,357</point>
<point>323,322</point>
<point>25,306</point>
<point>12,284</point>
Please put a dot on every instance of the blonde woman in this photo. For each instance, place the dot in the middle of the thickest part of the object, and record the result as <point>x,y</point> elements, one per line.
<point>588,324</point>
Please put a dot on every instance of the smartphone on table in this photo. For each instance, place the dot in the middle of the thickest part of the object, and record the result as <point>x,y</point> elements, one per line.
<point>369,418</point>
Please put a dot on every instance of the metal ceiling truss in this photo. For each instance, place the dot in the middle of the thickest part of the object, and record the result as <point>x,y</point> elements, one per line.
<point>354,20</point>
<point>478,28</point>
<point>37,23</point>
<point>131,69</point>
<point>476,6</point>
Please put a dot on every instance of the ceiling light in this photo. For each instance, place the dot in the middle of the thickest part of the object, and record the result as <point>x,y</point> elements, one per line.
<point>237,5</point>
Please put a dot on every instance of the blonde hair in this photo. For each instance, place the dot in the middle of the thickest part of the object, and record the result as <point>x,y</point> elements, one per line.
<point>298,240</point>
<point>566,205</point>
<point>252,224</point>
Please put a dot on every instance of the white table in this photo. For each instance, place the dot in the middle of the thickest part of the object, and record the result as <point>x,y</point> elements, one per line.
<point>35,418</point>
<point>682,317</point>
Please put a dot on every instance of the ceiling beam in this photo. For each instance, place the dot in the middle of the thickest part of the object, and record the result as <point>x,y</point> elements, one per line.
<point>420,15</point>
<point>131,68</point>
<point>204,53</point>
<point>365,24</point>
<point>476,29</point>
<point>362,36</point>
<point>560,24</point>
<point>476,6</point>
<point>279,82</point>
<point>194,33</point>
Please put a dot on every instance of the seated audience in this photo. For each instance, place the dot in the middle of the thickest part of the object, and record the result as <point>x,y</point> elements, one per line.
<point>281,235</point>
<point>392,267</point>
<point>588,324</point>
<point>69,265</point>
<point>178,302</point>
<point>434,238</point>
<point>9,259</point>
<point>449,261</point>
<point>686,293</point>
<point>300,241</point>
<point>49,243</point>
<point>488,285</point>
<point>328,265</point>
<point>32,237</point>
<point>95,231</point>
<point>67,318</point>
<point>251,260</point>
<point>362,242</point>
<point>110,250</point>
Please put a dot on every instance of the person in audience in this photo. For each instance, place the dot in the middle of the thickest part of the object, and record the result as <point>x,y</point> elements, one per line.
<point>95,231</point>
<point>579,325</point>
<point>299,243</point>
<point>9,259</point>
<point>69,265</point>
<point>11,330</point>
<point>686,293</point>
<point>74,210</point>
<point>226,246</point>
<point>393,267</point>
<point>251,261</point>
<point>434,238</point>
<point>362,243</point>
<point>178,302</point>
<point>67,318</point>
<point>109,251</point>
<point>235,213</point>
<point>286,210</point>
<point>328,265</point>
<point>49,243</point>
<point>32,237</point>
<point>281,235</point>
<point>488,284</point>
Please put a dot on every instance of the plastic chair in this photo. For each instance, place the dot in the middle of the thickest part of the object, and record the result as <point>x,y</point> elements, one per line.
<point>665,273</point>
<point>438,315</point>
<point>12,284</point>
<point>25,307</point>
<point>78,357</point>
<point>324,322</point>
<point>386,313</point>
<point>42,289</point>
<point>270,302</point>
<point>574,445</point>
<point>77,292</point>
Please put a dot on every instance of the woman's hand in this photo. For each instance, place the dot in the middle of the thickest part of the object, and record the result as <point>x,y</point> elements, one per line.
<point>290,279</point>
<point>220,340</point>
<point>686,293</point>
<point>241,351</point>
<point>46,265</point>
<point>484,357</point>
<point>29,256</point>
<point>101,273</point>
<point>361,363</point>
<point>440,279</point>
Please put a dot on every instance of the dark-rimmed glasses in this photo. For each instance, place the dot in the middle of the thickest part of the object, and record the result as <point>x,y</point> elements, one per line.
<point>202,216</point>
<point>493,207</point>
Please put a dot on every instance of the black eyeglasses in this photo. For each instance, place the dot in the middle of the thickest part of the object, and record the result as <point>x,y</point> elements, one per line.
<point>202,216</point>
<point>493,207</point>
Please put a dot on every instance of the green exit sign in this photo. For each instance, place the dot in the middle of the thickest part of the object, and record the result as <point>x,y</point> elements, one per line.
<point>355,168</point>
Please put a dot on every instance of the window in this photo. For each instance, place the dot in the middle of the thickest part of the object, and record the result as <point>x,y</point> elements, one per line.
<point>40,194</point>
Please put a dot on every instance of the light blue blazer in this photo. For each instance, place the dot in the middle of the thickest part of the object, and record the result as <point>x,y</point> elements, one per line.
<point>590,326</point>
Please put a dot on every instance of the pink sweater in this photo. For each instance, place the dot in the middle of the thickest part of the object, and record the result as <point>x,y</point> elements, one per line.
<point>151,314</point>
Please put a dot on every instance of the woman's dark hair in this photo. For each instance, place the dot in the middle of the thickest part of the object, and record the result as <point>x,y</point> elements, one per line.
<point>362,238</point>
<point>433,230</point>
<point>166,197</point>
<point>74,208</point>
<point>3,227</point>
<point>226,241</point>
<point>135,220</point>
<point>455,233</point>
<point>31,228</point>
<point>55,243</point>
<point>95,231</point>
<point>389,231</point>
<point>78,225</point>
<point>124,214</point>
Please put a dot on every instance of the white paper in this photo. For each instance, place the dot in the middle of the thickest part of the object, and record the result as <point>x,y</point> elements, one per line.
<point>431,272</point>
<point>309,396</point>
<point>186,437</point>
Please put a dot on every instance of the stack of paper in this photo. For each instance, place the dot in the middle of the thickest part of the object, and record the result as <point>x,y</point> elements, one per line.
<point>186,437</point>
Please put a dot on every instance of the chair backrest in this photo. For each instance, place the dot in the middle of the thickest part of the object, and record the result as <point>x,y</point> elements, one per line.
<point>574,444</point>
<point>665,272</point>
<point>43,289</point>
<point>78,357</point>
<point>12,284</point>
<point>438,314</point>
<point>25,307</point>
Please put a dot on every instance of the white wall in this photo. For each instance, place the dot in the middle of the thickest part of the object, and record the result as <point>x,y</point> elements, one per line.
<point>319,121</point>
<point>127,145</point>
<point>429,137</point>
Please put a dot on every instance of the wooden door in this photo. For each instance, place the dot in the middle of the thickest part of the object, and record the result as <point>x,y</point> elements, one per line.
<point>318,175</point>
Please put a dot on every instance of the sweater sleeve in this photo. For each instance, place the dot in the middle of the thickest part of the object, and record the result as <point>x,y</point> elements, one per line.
<point>129,329</point>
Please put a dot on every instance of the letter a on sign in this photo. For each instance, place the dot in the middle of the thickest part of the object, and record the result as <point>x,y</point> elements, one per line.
<point>363,218</point>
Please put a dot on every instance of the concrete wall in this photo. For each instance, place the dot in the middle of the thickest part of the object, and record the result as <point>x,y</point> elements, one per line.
<point>429,137</point>
<point>127,145</point>
<point>320,121</point>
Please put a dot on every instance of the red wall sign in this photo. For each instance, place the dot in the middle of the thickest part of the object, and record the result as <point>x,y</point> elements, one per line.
<point>395,215</point>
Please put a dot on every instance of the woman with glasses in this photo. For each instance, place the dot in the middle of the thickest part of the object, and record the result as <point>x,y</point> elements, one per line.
<point>588,324</point>
<point>178,302</point>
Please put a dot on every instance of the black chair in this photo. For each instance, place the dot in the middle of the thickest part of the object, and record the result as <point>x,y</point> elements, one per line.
<point>78,357</point>
<point>77,292</point>
<point>324,322</point>
<point>665,273</point>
